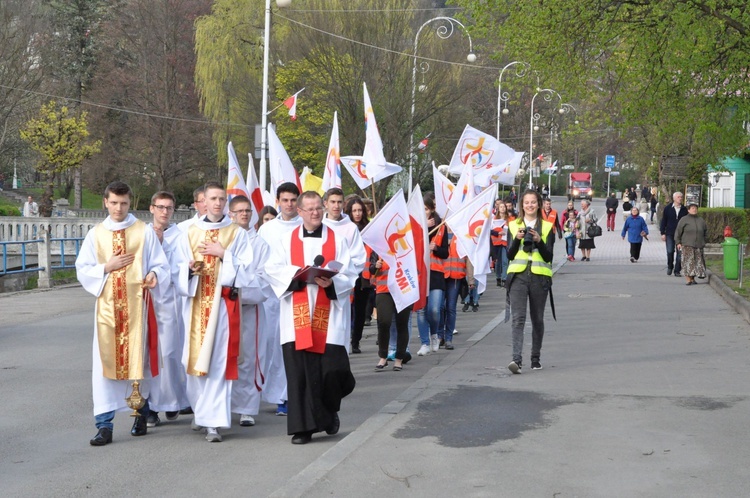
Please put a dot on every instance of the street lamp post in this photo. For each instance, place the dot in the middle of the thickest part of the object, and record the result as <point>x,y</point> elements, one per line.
<point>548,94</point>
<point>264,115</point>
<point>444,32</point>
<point>503,97</point>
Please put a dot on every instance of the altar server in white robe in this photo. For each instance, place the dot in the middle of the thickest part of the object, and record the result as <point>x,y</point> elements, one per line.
<point>122,263</point>
<point>213,258</point>
<point>274,388</point>
<point>314,334</point>
<point>246,391</point>
<point>168,390</point>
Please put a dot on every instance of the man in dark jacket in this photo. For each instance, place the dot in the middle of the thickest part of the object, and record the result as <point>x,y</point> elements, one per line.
<point>611,204</point>
<point>672,214</point>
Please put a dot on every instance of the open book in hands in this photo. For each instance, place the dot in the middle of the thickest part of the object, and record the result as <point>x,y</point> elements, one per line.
<point>308,273</point>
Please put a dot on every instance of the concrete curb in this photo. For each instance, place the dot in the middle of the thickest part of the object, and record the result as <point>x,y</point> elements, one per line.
<point>740,304</point>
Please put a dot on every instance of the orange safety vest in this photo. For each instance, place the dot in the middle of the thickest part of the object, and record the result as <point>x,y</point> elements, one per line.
<point>436,263</point>
<point>366,272</point>
<point>552,218</point>
<point>381,280</point>
<point>455,267</point>
<point>499,240</point>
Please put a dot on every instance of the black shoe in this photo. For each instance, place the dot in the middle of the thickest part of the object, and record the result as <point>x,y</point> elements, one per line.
<point>334,427</point>
<point>466,307</point>
<point>535,365</point>
<point>104,436</point>
<point>171,415</point>
<point>355,349</point>
<point>153,419</point>
<point>475,308</point>
<point>186,411</point>
<point>677,274</point>
<point>301,438</point>
<point>669,271</point>
<point>368,323</point>
<point>502,283</point>
<point>499,283</point>
<point>442,343</point>
<point>139,426</point>
<point>407,358</point>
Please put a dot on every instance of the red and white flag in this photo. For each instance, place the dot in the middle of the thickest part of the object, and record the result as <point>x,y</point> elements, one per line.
<point>485,153</point>
<point>390,235</point>
<point>471,227</point>
<point>443,191</point>
<point>256,193</point>
<point>281,167</point>
<point>291,104</point>
<point>421,244</point>
<point>423,143</point>
<point>332,173</point>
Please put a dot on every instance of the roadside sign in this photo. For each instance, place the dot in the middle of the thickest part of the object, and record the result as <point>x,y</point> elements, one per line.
<point>568,166</point>
<point>607,170</point>
<point>615,173</point>
<point>609,161</point>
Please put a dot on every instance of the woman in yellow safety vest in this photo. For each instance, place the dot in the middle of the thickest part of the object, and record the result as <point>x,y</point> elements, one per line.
<point>530,243</point>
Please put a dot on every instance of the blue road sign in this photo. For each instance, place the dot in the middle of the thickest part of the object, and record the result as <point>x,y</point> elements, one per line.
<point>609,161</point>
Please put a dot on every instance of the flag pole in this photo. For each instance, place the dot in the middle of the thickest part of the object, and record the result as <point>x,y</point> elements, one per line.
<point>374,202</point>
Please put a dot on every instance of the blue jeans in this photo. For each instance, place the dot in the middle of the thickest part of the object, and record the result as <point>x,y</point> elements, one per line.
<point>570,246</point>
<point>105,419</point>
<point>394,336</point>
<point>428,318</point>
<point>673,262</point>
<point>452,288</point>
<point>501,262</point>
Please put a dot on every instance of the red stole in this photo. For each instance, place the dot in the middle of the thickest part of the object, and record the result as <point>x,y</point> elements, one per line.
<point>310,335</point>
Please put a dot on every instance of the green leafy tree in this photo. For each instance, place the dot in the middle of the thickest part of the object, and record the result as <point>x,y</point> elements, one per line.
<point>62,141</point>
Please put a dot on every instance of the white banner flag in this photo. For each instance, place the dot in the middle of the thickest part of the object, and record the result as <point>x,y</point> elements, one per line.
<point>236,183</point>
<point>471,226</point>
<point>508,171</point>
<point>281,167</point>
<point>486,155</point>
<point>332,173</point>
<point>373,155</point>
<point>443,191</point>
<point>390,235</point>
<point>356,167</point>
<point>464,191</point>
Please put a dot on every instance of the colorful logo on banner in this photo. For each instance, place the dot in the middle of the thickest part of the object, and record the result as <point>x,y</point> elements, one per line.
<point>332,164</point>
<point>476,222</point>
<point>361,168</point>
<point>395,233</point>
<point>232,188</point>
<point>477,154</point>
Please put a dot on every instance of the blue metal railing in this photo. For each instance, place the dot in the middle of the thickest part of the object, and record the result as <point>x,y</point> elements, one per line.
<point>23,269</point>
<point>28,269</point>
<point>62,264</point>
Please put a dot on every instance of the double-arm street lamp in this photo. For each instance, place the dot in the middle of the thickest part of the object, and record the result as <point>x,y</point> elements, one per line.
<point>264,116</point>
<point>444,31</point>
<point>548,94</point>
<point>503,97</point>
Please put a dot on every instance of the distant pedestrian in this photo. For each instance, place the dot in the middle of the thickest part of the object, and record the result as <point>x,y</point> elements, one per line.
<point>636,229</point>
<point>30,208</point>
<point>654,202</point>
<point>611,204</point>
<point>570,232</point>
<point>669,219</point>
<point>690,237</point>
<point>586,217</point>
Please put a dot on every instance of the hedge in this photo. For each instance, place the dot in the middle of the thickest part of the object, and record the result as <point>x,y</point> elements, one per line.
<point>718,218</point>
<point>9,211</point>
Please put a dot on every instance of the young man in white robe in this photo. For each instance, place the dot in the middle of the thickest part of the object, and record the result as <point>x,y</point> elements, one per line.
<point>340,223</point>
<point>274,388</point>
<point>122,263</point>
<point>199,204</point>
<point>246,391</point>
<point>168,390</point>
<point>314,334</point>
<point>213,258</point>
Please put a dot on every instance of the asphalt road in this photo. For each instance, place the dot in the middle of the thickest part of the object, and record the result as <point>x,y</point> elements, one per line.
<point>644,392</point>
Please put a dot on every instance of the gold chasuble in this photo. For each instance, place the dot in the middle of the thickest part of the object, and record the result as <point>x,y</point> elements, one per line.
<point>119,308</point>
<point>205,307</point>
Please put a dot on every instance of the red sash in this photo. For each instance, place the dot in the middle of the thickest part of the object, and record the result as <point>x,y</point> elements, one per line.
<point>233,346</point>
<point>311,335</point>
<point>153,333</point>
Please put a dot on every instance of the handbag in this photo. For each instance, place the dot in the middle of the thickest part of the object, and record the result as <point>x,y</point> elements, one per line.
<point>593,230</point>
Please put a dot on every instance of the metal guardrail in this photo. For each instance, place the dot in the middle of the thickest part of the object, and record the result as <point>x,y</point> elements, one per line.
<point>62,241</point>
<point>24,268</point>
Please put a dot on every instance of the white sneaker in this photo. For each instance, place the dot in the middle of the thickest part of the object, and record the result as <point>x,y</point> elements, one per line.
<point>424,350</point>
<point>247,420</point>
<point>434,343</point>
<point>212,435</point>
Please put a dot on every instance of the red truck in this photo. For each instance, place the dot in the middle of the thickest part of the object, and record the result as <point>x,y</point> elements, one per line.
<point>579,186</point>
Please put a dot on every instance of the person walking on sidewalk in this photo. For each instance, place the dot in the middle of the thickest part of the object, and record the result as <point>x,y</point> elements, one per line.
<point>529,276</point>
<point>690,237</point>
<point>669,218</point>
<point>636,229</point>
<point>611,204</point>
<point>586,217</point>
<point>570,232</point>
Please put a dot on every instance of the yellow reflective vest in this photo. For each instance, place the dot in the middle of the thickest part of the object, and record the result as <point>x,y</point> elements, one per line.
<point>521,260</point>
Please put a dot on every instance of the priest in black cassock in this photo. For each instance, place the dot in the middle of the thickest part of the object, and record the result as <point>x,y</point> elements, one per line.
<point>314,332</point>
